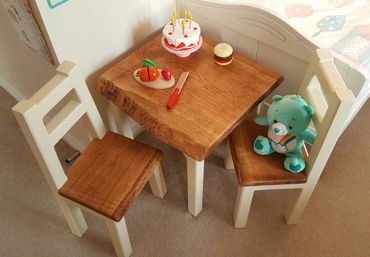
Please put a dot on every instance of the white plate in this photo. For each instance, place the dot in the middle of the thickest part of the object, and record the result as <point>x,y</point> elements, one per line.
<point>185,53</point>
<point>159,83</point>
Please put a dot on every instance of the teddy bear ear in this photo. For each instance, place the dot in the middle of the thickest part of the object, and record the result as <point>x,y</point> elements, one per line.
<point>309,109</point>
<point>276,98</point>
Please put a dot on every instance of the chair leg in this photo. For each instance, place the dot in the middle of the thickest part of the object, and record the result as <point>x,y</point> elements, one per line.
<point>228,161</point>
<point>242,206</point>
<point>195,176</point>
<point>123,122</point>
<point>120,238</point>
<point>157,183</point>
<point>74,217</point>
<point>293,215</point>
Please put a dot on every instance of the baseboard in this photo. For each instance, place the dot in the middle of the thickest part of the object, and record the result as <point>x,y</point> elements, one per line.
<point>11,90</point>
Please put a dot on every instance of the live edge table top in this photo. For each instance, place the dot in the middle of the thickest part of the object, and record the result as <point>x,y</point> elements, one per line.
<point>213,101</point>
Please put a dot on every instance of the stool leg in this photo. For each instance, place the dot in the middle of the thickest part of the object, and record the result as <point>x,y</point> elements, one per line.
<point>228,161</point>
<point>293,215</point>
<point>195,170</point>
<point>123,122</point>
<point>157,183</point>
<point>120,239</point>
<point>74,217</point>
<point>242,206</point>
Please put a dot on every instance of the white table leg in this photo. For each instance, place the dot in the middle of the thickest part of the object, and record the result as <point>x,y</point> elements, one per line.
<point>228,161</point>
<point>195,170</point>
<point>123,122</point>
<point>157,183</point>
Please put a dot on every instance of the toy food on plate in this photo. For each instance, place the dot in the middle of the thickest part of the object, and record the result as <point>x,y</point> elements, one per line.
<point>223,54</point>
<point>149,63</point>
<point>166,73</point>
<point>181,36</point>
<point>147,74</point>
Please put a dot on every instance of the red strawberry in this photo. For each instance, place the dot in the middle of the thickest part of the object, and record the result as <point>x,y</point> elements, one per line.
<point>167,73</point>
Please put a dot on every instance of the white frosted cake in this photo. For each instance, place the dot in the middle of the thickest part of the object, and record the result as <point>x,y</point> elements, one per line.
<point>177,39</point>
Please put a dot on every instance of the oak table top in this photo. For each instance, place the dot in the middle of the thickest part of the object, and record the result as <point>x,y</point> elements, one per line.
<point>214,100</point>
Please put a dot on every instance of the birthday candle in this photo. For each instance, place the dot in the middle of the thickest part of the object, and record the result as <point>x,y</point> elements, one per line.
<point>190,18</point>
<point>183,26</point>
<point>185,13</point>
<point>173,23</point>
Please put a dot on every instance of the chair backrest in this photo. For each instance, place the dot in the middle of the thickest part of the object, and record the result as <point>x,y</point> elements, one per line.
<point>323,88</point>
<point>66,87</point>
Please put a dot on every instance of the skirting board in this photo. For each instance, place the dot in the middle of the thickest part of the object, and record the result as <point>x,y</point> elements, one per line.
<point>11,90</point>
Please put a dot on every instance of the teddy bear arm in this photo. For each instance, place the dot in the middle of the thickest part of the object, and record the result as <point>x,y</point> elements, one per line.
<point>308,136</point>
<point>296,152</point>
<point>263,121</point>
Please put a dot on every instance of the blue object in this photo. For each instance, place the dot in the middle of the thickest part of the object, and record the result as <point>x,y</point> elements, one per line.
<point>288,118</point>
<point>53,4</point>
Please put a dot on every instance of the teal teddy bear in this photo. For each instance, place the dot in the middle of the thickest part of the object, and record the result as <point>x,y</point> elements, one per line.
<point>288,118</point>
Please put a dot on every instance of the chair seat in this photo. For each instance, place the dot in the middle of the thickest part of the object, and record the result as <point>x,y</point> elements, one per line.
<point>253,169</point>
<point>109,174</point>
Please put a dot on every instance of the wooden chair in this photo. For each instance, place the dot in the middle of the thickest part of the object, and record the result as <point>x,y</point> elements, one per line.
<point>109,174</point>
<point>323,88</point>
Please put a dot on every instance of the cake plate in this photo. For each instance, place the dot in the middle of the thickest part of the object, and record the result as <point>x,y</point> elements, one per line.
<point>185,53</point>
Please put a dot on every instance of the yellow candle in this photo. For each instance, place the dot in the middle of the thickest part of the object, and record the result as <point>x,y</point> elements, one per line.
<point>183,25</point>
<point>173,22</point>
<point>185,13</point>
<point>190,18</point>
<point>175,14</point>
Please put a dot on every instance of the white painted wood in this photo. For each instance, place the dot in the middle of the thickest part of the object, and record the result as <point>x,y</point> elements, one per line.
<point>120,238</point>
<point>73,216</point>
<point>42,138</point>
<point>195,175</point>
<point>292,68</point>
<point>69,86</point>
<point>253,22</point>
<point>228,161</point>
<point>157,183</point>
<point>263,36</point>
<point>296,208</point>
<point>321,83</point>
<point>242,206</point>
<point>123,121</point>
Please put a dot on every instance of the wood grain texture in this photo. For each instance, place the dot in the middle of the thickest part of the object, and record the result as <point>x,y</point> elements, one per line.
<point>253,169</point>
<point>110,173</point>
<point>213,102</point>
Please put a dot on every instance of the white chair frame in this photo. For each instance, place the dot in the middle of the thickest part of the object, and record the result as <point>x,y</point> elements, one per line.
<point>69,85</point>
<point>323,88</point>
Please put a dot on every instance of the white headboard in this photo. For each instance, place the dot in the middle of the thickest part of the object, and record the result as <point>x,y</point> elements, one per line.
<point>258,34</point>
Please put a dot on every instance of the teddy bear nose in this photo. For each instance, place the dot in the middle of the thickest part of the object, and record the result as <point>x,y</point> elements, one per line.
<point>276,130</point>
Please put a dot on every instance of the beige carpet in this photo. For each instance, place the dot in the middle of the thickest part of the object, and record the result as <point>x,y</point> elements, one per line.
<point>336,221</point>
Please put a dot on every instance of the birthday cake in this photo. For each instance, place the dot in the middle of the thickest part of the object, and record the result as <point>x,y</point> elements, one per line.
<point>184,35</point>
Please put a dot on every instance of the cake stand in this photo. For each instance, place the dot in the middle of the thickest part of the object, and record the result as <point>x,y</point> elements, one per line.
<point>184,53</point>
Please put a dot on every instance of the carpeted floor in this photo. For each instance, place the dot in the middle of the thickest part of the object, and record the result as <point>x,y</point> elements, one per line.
<point>336,221</point>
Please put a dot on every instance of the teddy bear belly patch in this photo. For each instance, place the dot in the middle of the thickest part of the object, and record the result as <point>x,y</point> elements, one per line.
<point>283,144</point>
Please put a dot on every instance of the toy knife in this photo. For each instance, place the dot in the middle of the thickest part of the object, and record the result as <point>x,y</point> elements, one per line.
<point>176,92</point>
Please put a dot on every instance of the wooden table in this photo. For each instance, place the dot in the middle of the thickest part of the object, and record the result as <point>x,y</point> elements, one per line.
<point>213,102</point>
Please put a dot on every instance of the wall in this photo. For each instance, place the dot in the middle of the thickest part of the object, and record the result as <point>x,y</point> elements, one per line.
<point>93,34</point>
<point>21,70</point>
